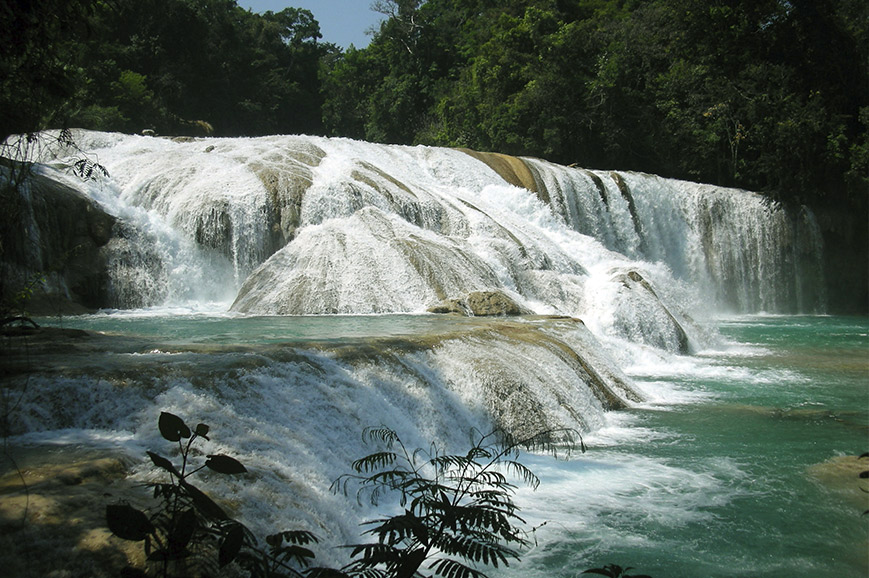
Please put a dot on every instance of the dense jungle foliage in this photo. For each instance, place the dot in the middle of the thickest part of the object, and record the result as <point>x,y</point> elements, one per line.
<point>768,95</point>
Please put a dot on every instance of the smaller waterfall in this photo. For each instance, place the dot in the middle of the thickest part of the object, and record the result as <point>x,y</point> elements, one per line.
<point>731,244</point>
<point>292,411</point>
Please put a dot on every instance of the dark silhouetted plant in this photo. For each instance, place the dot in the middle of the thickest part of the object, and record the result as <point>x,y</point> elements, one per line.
<point>615,571</point>
<point>458,513</point>
<point>188,533</point>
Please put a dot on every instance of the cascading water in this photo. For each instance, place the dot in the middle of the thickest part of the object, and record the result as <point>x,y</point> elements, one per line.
<point>730,244</point>
<point>313,225</point>
<point>617,271</point>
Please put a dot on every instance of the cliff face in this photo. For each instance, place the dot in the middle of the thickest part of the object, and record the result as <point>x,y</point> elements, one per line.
<point>52,240</point>
<point>846,259</point>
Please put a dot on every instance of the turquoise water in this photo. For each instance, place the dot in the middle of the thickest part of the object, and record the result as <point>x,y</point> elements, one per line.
<point>204,328</point>
<point>731,470</point>
<point>735,479</point>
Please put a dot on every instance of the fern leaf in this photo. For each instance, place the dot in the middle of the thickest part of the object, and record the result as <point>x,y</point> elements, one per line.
<point>399,528</point>
<point>380,434</point>
<point>522,472</point>
<point>479,547</point>
<point>452,569</point>
<point>300,537</point>
<point>374,462</point>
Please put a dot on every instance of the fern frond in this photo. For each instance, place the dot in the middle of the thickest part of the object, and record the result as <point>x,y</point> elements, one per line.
<point>448,568</point>
<point>358,569</point>
<point>523,472</point>
<point>374,462</point>
<point>478,518</point>
<point>477,549</point>
<point>297,554</point>
<point>300,537</point>
<point>492,497</point>
<point>444,463</point>
<point>487,478</point>
<point>400,528</point>
<point>478,453</point>
<point>382,434</point>
<point>375,554</point>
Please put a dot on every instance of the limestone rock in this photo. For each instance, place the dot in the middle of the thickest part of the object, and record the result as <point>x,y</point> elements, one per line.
<point>481,304</point>
<point>53,232</point>
<point>58,245</point>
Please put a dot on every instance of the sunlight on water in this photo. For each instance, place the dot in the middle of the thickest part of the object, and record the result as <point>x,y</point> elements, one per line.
<point>714,443</point>
<point>730,480</point>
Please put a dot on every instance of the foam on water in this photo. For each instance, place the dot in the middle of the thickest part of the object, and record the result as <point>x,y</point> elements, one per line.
<point>300,225</point>
<point>296,225</point>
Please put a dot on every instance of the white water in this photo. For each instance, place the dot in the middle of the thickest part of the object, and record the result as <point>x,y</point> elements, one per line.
<point>303,225</point>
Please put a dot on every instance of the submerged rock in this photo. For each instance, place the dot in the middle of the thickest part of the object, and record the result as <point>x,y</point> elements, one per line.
<point>645,318</point>
<point>52,512</point>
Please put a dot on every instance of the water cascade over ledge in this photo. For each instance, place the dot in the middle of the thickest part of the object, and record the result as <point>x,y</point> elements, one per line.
<point>282,288</point>
<point>306,225</point>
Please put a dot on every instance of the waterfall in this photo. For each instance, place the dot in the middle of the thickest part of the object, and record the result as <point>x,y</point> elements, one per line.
<point>731,244</point>
<point>613,270</point>
<point>292,410</point>
<point>301,225</point>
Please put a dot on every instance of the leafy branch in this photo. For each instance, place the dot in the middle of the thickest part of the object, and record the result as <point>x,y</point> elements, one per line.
<point>190,530</point>
<point>458,508</point>
<point>458,512</point>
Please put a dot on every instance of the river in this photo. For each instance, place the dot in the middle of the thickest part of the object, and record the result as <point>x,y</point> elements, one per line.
<point>736,468</point>
<point>736,463</point>
<point>280,289</point>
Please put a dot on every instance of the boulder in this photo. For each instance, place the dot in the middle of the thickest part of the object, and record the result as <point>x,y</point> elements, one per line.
<point>481,304</point>
<point>53,233</point>
<point>57,248</point>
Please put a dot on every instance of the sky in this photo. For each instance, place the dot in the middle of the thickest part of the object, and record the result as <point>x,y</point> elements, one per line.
<point>342,22</point>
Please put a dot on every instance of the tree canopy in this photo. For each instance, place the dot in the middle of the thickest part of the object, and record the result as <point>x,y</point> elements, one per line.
<point>768,95</point>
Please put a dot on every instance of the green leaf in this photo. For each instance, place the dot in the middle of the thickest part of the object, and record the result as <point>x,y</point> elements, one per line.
<point>225,464</point>
<point>181,534</point>
<point>231,545</point>
<point>128,523</point>
<point>172,427</point>
<point>202,430</point>
<point>203,503</point>
<point>162,462</point>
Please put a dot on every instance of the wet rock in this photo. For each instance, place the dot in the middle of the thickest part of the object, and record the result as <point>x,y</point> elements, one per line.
<point>481,304</point>
<point>61,251</point>
<point>52,240</point>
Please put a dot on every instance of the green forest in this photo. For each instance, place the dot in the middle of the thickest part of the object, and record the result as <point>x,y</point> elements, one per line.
<point>767,95</point>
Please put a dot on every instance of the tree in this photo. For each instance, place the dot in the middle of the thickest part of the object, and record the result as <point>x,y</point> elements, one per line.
<point>37,71</point>
<point>765,95</point>
<point>458,509</point>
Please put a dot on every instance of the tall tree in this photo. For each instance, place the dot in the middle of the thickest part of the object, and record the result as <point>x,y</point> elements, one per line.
<point>37,72</point>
